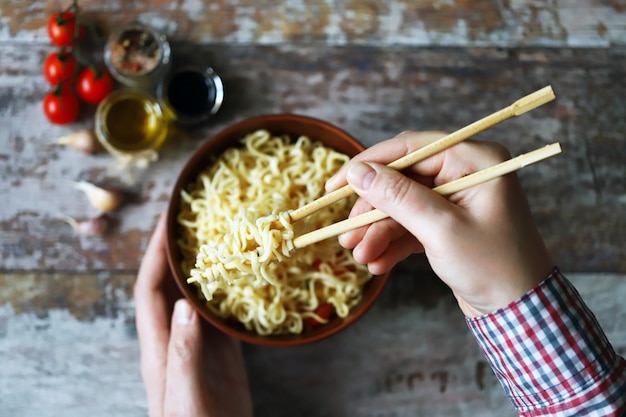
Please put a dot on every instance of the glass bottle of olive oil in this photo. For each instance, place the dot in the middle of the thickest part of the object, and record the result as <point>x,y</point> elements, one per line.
<point>130,125</point>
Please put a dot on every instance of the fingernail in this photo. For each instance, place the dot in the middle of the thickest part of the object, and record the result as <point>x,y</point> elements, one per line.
<point>361,175</point>
<point>331,183</point>
<point>182,312</point>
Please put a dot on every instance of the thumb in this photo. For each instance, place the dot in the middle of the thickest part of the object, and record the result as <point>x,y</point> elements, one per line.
<point>416,207</point>
<point>182,386</point>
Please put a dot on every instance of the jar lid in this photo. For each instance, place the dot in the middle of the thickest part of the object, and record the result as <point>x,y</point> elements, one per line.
<point>190,94</point>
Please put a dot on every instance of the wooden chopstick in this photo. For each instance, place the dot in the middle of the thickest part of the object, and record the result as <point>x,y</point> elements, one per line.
<point>519,107</point>
<point>446,189</point>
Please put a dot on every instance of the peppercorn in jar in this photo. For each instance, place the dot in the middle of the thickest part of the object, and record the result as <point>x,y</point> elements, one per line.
<point>137,55</point>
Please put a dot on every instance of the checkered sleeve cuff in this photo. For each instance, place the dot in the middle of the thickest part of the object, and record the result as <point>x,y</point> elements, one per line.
<point>551,355</point>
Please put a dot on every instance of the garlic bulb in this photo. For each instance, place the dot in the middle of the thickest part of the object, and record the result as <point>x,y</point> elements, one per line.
<point>90,227</point>
<point>82,140</point>
<point>103,198</point>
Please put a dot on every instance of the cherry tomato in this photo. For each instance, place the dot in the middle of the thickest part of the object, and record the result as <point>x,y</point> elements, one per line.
<point>94,85</point>
<point>324,310</point>
<point>61,106</point>
<point>62,29</point>
<point>60,66</point>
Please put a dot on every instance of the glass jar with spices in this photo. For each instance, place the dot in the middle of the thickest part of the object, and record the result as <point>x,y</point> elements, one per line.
<point>137,55</point>
<point>130,125</point>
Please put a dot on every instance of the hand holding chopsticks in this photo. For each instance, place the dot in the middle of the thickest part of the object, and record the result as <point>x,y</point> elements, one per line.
<point>519,107</point>
<point>460,184</point>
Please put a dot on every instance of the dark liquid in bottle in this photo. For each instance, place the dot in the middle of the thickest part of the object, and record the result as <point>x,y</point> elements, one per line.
<point>191,93</point>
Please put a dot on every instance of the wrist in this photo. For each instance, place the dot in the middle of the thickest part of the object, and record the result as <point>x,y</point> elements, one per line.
<point>500,294</point>
<point>470,311</point>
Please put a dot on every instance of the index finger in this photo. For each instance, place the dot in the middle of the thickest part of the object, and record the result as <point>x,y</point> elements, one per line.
<point>386,152</point>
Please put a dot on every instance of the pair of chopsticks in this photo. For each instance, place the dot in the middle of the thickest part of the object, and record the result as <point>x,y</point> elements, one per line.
<point>518,108</point>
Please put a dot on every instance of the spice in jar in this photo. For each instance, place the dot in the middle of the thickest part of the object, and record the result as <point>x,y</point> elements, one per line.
<point>135,52</point>
<point>137,55</point>
<point>190,95</point>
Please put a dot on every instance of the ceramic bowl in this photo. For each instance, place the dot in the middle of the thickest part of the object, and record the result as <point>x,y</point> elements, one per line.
<point>293,125</point>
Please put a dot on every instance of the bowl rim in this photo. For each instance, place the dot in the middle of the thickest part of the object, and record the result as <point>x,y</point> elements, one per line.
<point>188,173</point>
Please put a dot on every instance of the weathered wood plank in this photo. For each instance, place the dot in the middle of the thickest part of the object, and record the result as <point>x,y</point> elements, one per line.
<point>374,93</point>
<point>579,23</point>
<point>67,339</point>
<point>68,346</point>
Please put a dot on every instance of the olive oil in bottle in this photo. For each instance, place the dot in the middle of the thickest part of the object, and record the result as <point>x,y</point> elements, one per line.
<point>130,123</point>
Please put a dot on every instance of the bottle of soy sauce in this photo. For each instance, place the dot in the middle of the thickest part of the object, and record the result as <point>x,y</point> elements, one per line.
<point>190,95</point>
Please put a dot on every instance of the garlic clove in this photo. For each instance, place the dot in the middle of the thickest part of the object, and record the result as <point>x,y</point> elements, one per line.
<point>82,140</point>
<point>95,226</point>
<point>104,199</point>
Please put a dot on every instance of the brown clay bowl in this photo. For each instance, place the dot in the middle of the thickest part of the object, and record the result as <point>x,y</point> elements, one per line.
<point>292,125</point>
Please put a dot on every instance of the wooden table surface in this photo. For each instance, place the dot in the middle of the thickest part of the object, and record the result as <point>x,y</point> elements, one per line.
<point>68,344</point>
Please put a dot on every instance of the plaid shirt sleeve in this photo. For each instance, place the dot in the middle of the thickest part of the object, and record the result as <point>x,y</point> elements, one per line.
<point>551,355</point>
